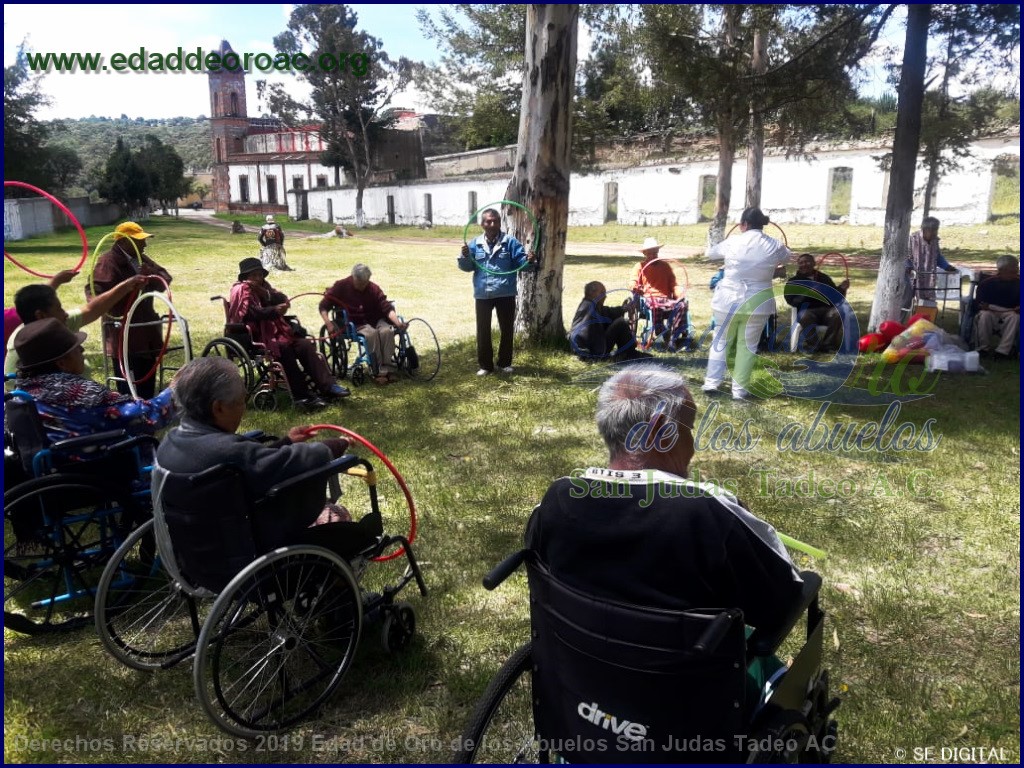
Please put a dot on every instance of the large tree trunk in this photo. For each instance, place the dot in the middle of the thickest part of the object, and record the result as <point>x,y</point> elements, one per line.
<point>723,187</point>
<point>755,141</point>
<point>900,203</point>
<point>726,136</point>
<point>541,178</point>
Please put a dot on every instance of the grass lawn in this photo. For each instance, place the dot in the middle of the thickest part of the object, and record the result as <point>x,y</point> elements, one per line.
<point>922,582</point>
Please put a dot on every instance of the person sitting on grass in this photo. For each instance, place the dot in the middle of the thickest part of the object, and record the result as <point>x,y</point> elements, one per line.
<point>52,371</point>
<point>599,332</point>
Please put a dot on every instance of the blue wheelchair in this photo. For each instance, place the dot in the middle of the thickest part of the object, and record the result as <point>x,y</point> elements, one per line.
<point>417,350</point>
<point>68,505</point>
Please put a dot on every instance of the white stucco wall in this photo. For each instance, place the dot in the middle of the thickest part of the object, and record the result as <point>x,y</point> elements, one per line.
<point>284,172</point>
<point>794,190</point>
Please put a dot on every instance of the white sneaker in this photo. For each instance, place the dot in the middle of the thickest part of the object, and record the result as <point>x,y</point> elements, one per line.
<point>507,369</point>
<point>483,372</point>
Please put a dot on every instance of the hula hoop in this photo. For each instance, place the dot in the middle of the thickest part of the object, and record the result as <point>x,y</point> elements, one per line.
<point>67,212</point>
<point>536,236</point>
<point>394,472</point>
<point>785,240</point>
<point>91,269</point>
<point>181,322</point>
<point>337,302</point>
<point>801,546</point>
<point>686,275</point>
<point>846,264</point>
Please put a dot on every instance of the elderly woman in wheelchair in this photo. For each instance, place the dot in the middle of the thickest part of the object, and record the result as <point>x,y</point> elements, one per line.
<point>253,527</point>
<point>657,605</point>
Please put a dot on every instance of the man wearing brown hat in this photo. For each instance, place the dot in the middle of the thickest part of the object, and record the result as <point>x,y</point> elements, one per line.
<point>256,304</point>
<point>125,259</point>
<point>51,371</point>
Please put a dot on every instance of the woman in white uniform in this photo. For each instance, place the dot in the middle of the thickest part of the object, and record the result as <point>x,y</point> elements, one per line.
<point>751,259</point>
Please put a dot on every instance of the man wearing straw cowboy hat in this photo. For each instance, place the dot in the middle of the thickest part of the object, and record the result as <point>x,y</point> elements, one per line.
<point>655,280</point>
<point>127,258</point>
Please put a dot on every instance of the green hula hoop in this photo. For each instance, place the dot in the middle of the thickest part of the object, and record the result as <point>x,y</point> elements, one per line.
<point>801,546</point>
<point>91,269</point>
<point>536,235</point>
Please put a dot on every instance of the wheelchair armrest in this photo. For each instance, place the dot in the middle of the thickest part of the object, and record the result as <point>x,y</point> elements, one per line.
<point>505,568</point>
<point>87,441</point>
<point>761,644</point>
<point>259,436</point>
<point>135,440</point>
<point>334,467</point>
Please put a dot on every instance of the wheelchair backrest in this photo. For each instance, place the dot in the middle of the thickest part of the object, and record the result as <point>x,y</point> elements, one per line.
<point>207,519</point>
<point>23,429</point>
<point>620,683</point>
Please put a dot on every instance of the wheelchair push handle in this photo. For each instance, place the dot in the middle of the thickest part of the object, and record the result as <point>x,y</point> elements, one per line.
<point>717,630</point>
<point>504,569</point>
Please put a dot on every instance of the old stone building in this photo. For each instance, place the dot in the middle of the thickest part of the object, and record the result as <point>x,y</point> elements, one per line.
<point>262,166</point>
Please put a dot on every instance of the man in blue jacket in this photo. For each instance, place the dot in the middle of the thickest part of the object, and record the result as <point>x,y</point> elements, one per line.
<point>495,258</point>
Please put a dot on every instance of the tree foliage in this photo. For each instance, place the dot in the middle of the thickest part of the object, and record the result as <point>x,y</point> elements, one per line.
<point>126,181</point>
<point>166,172</point>
<point>349,101</point>
<point>24,135</point>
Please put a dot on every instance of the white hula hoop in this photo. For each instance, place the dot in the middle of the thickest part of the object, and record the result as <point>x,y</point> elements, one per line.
<point>182,323</point>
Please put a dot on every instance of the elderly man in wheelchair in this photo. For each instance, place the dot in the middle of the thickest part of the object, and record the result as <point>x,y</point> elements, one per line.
<point>253,526</point>
<point>657,607</point>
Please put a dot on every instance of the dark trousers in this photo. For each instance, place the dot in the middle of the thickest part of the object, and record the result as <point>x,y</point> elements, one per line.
<point>140,364</point>
<point>505,307</point>
<point>598,340</point>
<point>827,316</point>
<point>303,352</point>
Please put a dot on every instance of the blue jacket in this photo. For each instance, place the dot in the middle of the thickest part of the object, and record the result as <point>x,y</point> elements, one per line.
<point>508,254</point>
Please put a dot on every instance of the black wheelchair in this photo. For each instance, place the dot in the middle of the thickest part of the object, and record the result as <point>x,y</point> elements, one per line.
<point>264,377</point>
<point>68,505</point>
<point>605,682</point>
<point>272,633</point>
<point>417,351</point>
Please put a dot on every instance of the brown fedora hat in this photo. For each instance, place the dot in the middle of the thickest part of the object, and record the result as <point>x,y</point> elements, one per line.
<point>44,341</point>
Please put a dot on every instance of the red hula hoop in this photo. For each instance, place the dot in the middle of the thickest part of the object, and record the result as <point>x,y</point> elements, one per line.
<point>395,473</point>
<point>66,211</point>
<point>846,264</point>
<point>686,275</point>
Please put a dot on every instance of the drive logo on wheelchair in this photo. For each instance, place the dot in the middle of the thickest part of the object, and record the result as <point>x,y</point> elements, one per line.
<point>626,729</point>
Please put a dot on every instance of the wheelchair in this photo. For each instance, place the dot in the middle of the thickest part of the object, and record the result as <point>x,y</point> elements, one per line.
<point>663,323</point>
<point>417,350</point>
<point>608,682</point>
<point>271,633</point>
<point>264,378</point>
<point>68,505</point>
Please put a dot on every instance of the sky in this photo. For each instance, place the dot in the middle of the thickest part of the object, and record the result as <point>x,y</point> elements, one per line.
<point>110,29</point>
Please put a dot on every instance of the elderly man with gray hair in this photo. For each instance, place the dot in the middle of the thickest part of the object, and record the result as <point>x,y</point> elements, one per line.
<point>998,303</point>
<point>372,314</point>
<point>639,531</point>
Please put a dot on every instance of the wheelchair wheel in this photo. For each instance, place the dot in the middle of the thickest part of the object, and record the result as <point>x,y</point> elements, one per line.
<point>265,401</point>
<point>233,351</point>
<point>143,617</point>
<point>335,352</point>
<point>788,734</point>
<point>278,641</point>
<point>399,628</point>
<point>69,526</point>
<point>359,375</point>
<point>419,353</point>
<point>501,728</point>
